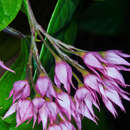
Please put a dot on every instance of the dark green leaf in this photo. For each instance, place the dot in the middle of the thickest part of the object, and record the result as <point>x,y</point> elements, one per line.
<point>3,125</point>
<point>102,122</point>
<point>8,11</point>
<point>7,80</point>
<point>103,17</point>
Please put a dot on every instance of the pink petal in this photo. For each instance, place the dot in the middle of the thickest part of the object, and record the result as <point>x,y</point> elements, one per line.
<point>114,58</point>
<point>54,127</point>
<point>25,110</point>
<point>57,82</point>
<point>110,106</point>
<point>52,111</point>
<point>61,74</point>
<point>63,100</point>
<point>38,102</point>
<point>114,97</point>
<point>5,67</point>
<point>67,126</point>
<point>44,116</point>
<point>115,74</point>
<point>42,85</point>
<point>51,92</point>
<point>91,60</point>
<point>89,104</point>
<point>11,110</point>
<point>92,81</point>
<point>85,112</point>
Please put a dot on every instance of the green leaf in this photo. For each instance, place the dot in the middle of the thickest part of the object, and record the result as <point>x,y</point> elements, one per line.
<point>8,11</point>
<point>26,126</point>
<point>62,26</point>
<point>102,122</point>
<point>62,15</point>
<point>8,79</point>
<point>3,125</point>
<point>103,17</point>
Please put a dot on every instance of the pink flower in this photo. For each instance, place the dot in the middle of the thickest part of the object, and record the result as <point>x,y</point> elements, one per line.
<point>64,102</point>
<point>91,60</point>
<point>113,73</point>
<point>116,57</point>
<point>92,81</point>
<point>49,110</point>
<point>66,125</point>
<point>37,103</point>
<point>63,74</point>
<point>23,109</point>
<point>21,90</point>
<point>76,115</point>
<point>85,99</point>
<point>54,127</point>
<point>44,86</point>
<point>5,67</point>
<point>112,94</point>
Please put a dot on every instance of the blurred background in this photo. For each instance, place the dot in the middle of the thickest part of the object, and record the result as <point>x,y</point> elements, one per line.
<point>92,25</point>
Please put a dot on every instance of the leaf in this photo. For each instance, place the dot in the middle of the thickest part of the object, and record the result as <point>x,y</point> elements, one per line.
<point>8,11</point>
<point>102,122</point>
<point>7,80</point>
<point>8,43</point>
<point>61,25</point>
<point>103,17</point>
<point>26,126</point>
<point>3,125</point>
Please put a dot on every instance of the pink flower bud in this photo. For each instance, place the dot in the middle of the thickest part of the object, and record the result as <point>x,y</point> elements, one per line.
<point>54,127</point>
<point>91,60</point>
<point>44,86</point>
<point>64,103</point>
<point>63,74</point>
<point>84,100</point>
<point>37,103</point>
<point>49,110</point>
<point>21,90</point>
<point>116,57</point>
<point>24,111</point>
<point>92,81</point>
<point>66,125</point>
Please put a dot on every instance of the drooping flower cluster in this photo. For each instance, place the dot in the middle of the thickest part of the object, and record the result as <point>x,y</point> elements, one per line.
<point>54,106</point>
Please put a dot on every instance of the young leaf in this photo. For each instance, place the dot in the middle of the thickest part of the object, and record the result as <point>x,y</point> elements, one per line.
<point>8,11</point>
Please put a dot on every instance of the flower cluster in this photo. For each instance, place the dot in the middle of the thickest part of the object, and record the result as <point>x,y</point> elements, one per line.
<point>75,88</point>
<point>54,105</point>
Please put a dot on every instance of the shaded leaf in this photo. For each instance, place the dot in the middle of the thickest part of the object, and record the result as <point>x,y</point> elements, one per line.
<point>8,11</point>
<point>7,42</point>
<point>7,80</point>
